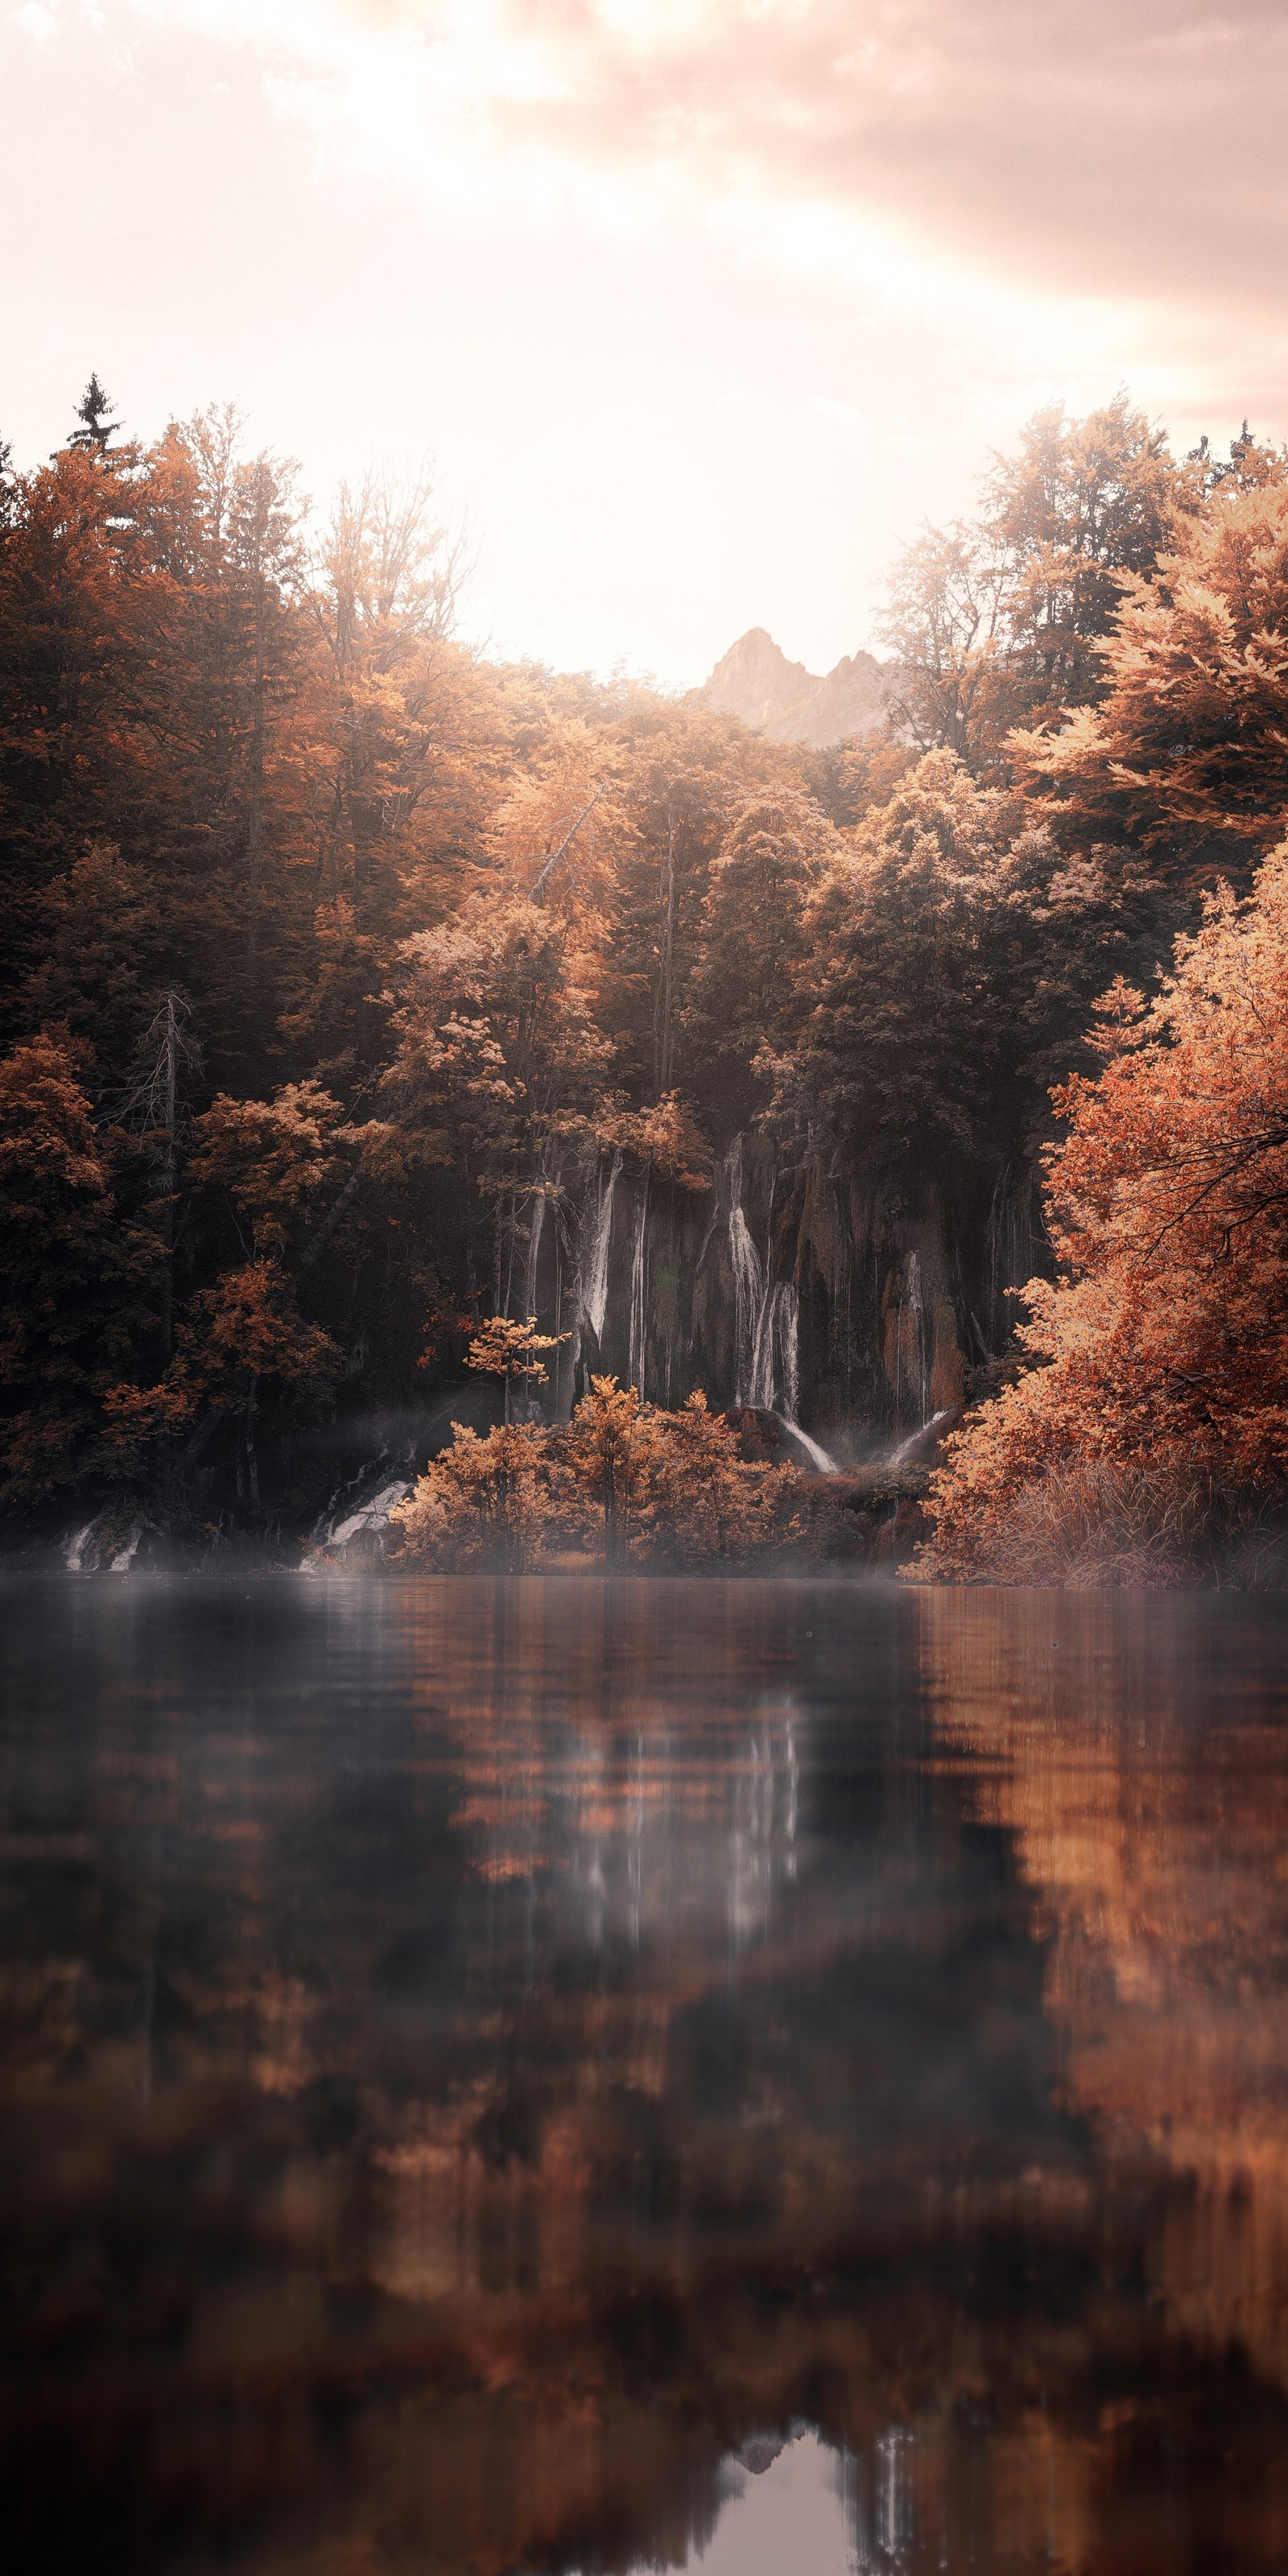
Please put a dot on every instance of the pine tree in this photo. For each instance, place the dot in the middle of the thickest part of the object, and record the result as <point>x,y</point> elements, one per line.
<point>96,431</point>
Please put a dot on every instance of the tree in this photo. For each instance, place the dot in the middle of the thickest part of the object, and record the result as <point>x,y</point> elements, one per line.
<point>945,627</point>
<point>609,1458</point>
<point>1083,503</point>
<point>711,1505</point>
<point>499,1064</point>
<point>83,1287</point>
<point>952,952</point>
<point>745,993</point>
<point>96,430</point>
<point>511,1351</point>
<point>1187,754</point>
<point>1157,1389</point>
<point>998,621</point>
<point>243,1333</point>
<point>269,1159</point>
<point>483,1502</point>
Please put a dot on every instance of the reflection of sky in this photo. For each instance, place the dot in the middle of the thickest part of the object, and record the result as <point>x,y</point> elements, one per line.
<point>788,2519</point>
<point>805,2509</point>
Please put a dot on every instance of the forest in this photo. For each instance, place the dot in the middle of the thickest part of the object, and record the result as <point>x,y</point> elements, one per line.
<point>397,1039</point>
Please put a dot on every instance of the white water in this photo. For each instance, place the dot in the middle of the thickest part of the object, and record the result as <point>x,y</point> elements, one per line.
<point>897,1456</point>
<point>76,1547</point>
<point>766,1315</point>
<point>595,1291</point>
<point>639,1292</point>
<point>814,1449</point>
<point>917,1310</point>
<point>534,1249</point>
<point>774,1358</point>
<point>748,1285</point>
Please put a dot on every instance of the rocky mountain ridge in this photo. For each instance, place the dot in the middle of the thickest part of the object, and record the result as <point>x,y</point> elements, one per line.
<point>756,682</point>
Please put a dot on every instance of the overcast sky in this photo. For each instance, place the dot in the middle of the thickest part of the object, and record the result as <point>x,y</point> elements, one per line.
<point>703,305</point>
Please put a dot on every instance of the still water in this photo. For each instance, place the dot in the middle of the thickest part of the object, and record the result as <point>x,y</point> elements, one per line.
<point>768,2079</point>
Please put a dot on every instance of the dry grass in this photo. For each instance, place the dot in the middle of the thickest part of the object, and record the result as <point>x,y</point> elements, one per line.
<point>1126,1525</point>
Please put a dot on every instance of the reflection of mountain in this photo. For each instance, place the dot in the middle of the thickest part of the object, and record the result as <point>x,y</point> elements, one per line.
<point>480,2053</point>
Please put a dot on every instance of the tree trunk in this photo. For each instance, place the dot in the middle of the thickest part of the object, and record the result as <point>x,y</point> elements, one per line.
<point>248,1442</point>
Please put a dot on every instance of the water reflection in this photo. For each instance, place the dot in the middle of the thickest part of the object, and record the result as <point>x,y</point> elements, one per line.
<point>563,2076</point>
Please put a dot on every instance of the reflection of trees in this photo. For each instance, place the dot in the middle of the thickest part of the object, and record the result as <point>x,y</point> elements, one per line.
<point>1131,1751</point>
<point>454,2114</point>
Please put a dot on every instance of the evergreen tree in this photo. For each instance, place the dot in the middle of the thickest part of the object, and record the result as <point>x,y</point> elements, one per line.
<point>96,431</point>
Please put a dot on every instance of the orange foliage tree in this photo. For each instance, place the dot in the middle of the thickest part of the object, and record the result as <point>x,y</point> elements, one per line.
<point>1189,751</point>
<point>633,1481</point>
<point>483,1502</point>
<point>711,1505</point>
<point>270,1159</point>
<point>1154,1410</point>
<point>510,1350</point>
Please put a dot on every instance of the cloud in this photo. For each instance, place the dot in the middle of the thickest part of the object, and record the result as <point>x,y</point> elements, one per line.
<point>1123,148</point>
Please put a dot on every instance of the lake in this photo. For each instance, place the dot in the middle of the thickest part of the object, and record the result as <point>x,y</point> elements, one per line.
<point>772,2079</point>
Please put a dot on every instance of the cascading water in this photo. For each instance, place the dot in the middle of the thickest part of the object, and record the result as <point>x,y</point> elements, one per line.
<point>594,1295</point>
<point>766,1327</point>
<point>748,1286</point>
<point>639,1291</point>
<point>534,1252</point>
<point>913,1305</point>
<point>790,1340</point>
<point>774,1362</point>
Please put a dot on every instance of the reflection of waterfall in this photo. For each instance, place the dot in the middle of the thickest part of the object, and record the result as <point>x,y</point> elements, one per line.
<point>639,1292</point>
<point>879,2500</point>
<point>762,1838</point>
<point>594,1295</point>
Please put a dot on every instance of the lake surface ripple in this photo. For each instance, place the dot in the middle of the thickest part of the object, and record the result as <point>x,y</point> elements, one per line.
<point>561,2075</point>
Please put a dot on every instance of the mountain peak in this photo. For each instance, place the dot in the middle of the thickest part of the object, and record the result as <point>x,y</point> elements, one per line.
<point>755,682</point>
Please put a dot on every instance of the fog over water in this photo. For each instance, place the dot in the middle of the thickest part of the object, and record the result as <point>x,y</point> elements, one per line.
<point>565,2075</point>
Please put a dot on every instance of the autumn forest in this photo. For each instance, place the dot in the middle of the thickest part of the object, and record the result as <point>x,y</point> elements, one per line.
<point>759,1152</point>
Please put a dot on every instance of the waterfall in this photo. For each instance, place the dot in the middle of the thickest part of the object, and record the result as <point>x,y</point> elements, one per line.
<point>594,1295</point>
<point>766,1315</point>
<point>900,1454</point>
<point>917,1311</point>
<point>748,1286</point>
<point>790,1343</point>
<point>774,1360</point>
<point>534,1248</point>
<point>814,1450</point>
<point>639,1293</point>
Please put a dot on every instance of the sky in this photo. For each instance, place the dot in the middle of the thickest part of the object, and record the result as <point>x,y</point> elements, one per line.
<point>703,306</point>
